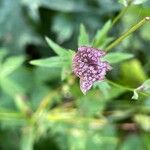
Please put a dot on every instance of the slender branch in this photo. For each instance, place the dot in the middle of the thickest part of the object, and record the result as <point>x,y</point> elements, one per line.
<point>127,33</point>
<point>126,88</point>
<point>123,11</point>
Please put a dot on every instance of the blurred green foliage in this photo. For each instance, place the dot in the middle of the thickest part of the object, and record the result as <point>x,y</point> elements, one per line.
<point>43,108</point>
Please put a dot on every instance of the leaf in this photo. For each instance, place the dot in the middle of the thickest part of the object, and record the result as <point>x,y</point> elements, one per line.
<point>66,71</point>
<point>135,95</point>
<point>51,62</point>
<point>3,53</point>
<point>63,27</point>
<point>21,104</point>
<point>131,142</point>
<point>117,57</point>
<point>56,48</point>
<point>101,35</point>
<point>135,2</point>
<point>10,87</point>
<point>132,73</point>
<point>56,5</point>
<point>103,86</point>
<point>145,87</point>
<point>83,39</point>
<point>143,121</point>
<point>11,64</point>
<point>16,32</point>
<point>27,138</point>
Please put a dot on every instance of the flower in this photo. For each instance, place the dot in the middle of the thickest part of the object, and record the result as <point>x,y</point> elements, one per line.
<point>88,67</point>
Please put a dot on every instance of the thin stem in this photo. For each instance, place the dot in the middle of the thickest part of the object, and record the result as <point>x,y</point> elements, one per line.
<point>126,88</point>
<point>127,33</point>
<point>120,15</point>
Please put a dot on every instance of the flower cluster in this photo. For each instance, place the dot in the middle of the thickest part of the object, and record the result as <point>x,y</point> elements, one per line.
<point>88,66</point>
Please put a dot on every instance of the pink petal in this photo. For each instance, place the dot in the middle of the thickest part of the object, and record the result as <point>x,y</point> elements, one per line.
<point>85,85</point>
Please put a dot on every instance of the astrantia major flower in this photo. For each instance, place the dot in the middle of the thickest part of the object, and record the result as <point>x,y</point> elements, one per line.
<point>88,66</point>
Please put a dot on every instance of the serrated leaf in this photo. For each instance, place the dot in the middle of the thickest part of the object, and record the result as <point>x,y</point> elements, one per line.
<point>11,64</point>
<point>51,62</point>
<point>56,48</point>
<point>101,35</point>
<point>83,39</point>
<point>117,57</point>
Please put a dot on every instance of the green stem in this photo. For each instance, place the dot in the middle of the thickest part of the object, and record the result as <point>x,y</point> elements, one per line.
<point>126,88</point>
<point>120,15</point>
<point>127,33</point>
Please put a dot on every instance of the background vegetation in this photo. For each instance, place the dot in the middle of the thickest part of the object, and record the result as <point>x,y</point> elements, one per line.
<point>42,108</point>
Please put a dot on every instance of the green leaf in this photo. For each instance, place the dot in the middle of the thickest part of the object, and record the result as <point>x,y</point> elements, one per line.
<point>143,121</point>
<point>51,62</point>
<point>135,94</point>
<point>27,138</point>
<point>11,64</point>
<point>117,57</point>
<point>56,48</point>
<point>83,39</point>
<point>66,71</point>
<point>132,73</point>
<point>56,5</point>
<point>10,87</point>
<point>21,104</point>
<point>63,27</point>
<point>3,53</point>
<point>131,142</point>
<point>101,35</point>
<point>135,2</point>
<point>145,87</point>
<point>16,32</point>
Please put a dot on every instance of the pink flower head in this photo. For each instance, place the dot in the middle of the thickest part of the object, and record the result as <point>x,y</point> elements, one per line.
<point>88,66</point>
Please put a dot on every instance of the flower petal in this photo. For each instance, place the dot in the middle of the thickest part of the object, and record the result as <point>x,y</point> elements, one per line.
<point>85,85</point>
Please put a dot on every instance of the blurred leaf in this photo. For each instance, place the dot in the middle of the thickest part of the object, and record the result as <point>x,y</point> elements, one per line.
<point>11,118</point>
<point>145,87</point>
<point>117,57</point>
<point>131,142</point>
<point>57,5</point>
<point>21,104</point>
<point>136,75</point>
<point>107,41</point>
<point>83,39</point>
<point>103,86</point>
<point>56,48</point>
<point>10,87</point>
<point>145,138</point>
<point>63,27</point>
<point>101,35</point>
<point>51,62</point>
<point>135,2</point>
<point>27,139</point>
<point>16,32</point>
<point>11,64</point>
<point>135,94</point>
<point>143,121</point>
<point>3,53</point>
<point>51,74</point>
<point>66,71</point>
